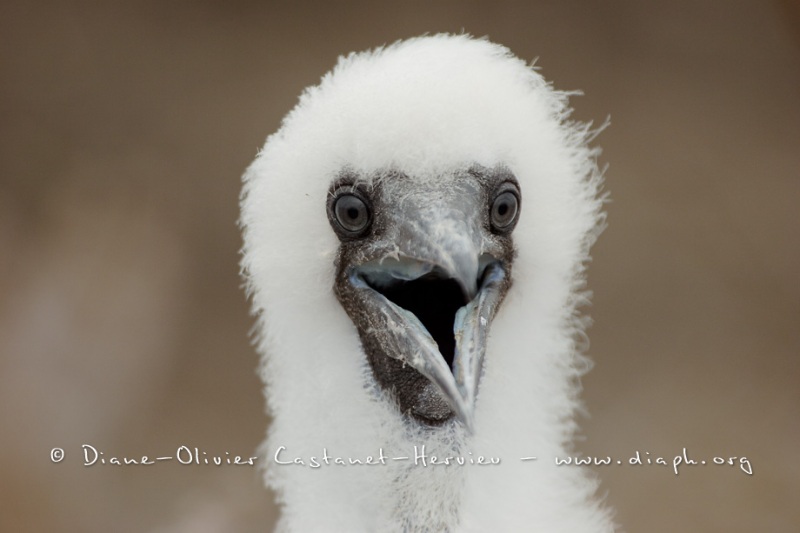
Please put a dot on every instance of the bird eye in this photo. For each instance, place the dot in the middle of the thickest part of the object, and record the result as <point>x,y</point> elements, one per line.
<point>505,208</point>
<point>352,214</point>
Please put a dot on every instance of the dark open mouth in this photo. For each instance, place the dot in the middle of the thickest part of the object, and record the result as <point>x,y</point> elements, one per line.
<point>434,299</point>
<point>416,314</point>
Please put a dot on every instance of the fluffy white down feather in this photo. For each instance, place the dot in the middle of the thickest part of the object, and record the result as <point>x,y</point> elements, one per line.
<point>426,106</point>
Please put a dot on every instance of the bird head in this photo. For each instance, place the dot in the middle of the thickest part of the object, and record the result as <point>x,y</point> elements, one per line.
<point>421,269</point>
<point>415,236</point>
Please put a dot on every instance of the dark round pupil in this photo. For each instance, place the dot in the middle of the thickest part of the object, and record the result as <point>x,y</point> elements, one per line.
<point>504,210</point>
<point>351,213</point>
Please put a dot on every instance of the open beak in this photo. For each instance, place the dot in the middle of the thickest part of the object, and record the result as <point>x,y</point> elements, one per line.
<point>433,311</point>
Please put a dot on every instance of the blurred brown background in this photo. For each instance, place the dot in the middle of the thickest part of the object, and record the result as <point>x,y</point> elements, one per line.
<point>124,128</point>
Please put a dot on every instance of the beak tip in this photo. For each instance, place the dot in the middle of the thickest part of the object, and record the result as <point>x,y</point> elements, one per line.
<point>467,419</point>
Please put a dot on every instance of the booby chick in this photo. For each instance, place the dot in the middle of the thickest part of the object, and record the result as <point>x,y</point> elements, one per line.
<point>415,237</point>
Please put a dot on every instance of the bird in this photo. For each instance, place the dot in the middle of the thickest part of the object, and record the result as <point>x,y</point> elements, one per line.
<point>415,242</point>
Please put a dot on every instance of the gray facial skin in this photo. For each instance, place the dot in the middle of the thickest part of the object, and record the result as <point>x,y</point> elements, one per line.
<point>423,266</point>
